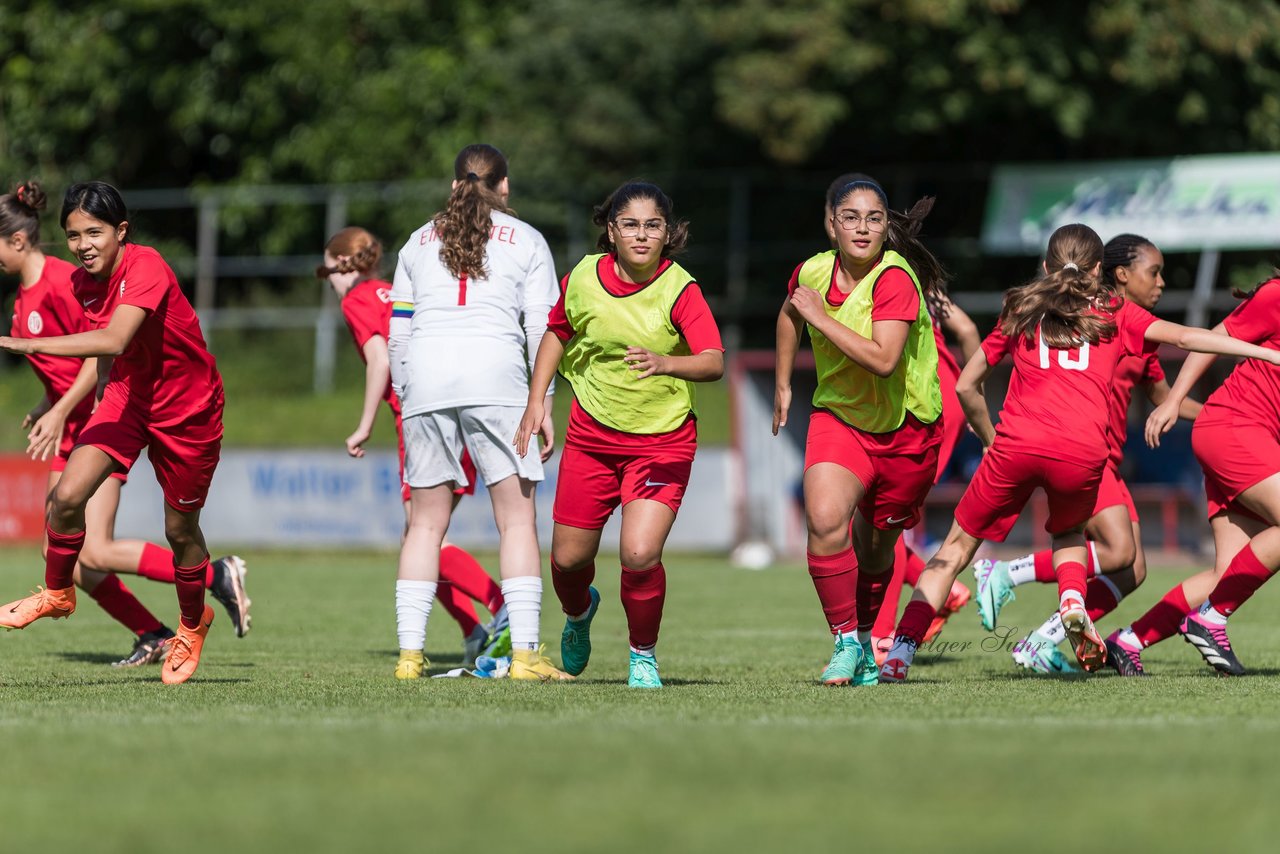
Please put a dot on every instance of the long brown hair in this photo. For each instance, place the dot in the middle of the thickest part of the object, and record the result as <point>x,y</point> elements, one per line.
<point>20,211</point>
<point>362,250</point>
<point>1064,303</point>
<point>464,225</point>
<point>901,235</point>
<point>1241,293</point>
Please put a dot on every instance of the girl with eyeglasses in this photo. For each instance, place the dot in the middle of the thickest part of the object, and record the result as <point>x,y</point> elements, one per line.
<point>632,333</point>
<point>1066,332</point>
<point>872,449</point>
<point>351,261</point>
<point>162,393</point>
<point>470,299</point>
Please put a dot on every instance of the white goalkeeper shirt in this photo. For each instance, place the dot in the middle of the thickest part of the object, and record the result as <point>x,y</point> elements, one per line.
<point>466,341</point>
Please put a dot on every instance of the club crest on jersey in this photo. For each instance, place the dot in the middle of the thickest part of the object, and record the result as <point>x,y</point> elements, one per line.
<point>122,281</point>
<point>35,323</point>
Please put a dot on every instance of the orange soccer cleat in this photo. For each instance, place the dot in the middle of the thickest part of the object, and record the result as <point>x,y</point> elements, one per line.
<point>956,599</point>
<point>43,603</point>
<point>184,650</point>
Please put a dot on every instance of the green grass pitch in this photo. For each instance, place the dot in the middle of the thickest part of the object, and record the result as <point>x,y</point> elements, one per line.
<point>296,738</point>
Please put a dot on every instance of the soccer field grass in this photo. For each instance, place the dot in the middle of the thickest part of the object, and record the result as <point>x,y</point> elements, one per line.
<point>296,738</point>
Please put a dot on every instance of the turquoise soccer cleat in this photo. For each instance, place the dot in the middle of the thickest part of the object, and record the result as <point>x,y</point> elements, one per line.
<point>994,590</point>
<point>868,672</point>
<point>1040,654</point>
<point>575,640</point>
<point>643,672</point>
<point>843,666</point>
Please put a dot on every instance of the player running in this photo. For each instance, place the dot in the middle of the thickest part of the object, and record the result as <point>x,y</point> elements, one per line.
<point>632,333</point>
<point>1066,333</point>
<point>872,448</point>
<point>162,393</point>
<point>1236,438</point>
<point>1131,266</point>
<point>472,290</point>
<point>45,307</point>
<point>351,261</point>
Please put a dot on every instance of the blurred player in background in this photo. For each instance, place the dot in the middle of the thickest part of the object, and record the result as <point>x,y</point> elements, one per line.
<point>351,261</point>
<point>1066,333</point>
<point>1132,267</point>
<point>872,449</point>
<point>472,291</point>
<point>1236,438</point>
<point>162,393</point>
<point>631,332</point>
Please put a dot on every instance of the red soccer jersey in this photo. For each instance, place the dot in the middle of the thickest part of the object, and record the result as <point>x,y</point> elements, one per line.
<point>166,371</point>
<point>45,310</point>
<point>1251,394</point>
<point>367,310</point>
<point>692,318</point>
<point>1057,404</point>
<point>1132,371</point>
<point>893,297</point>
<point>948,366</point>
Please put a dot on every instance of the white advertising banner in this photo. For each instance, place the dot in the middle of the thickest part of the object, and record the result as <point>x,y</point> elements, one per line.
<point>1188,203</point>
<point>325,499</point>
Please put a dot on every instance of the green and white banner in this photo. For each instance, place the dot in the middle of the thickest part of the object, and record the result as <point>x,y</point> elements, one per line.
<point>1188,203</point>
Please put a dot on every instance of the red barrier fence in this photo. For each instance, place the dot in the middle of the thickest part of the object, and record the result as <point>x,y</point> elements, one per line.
<point>23,485</point>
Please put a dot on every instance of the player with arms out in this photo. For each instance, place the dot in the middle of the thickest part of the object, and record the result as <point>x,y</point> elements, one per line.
<point>871,454</point>
<point>1131,266</point>
<point>351,261</point>
<point>162,393</point>
<point>44,308</point>
<point>1236,439</point>
<point>472,290</point>
<point>632,333</point>
<point>1066,333</point>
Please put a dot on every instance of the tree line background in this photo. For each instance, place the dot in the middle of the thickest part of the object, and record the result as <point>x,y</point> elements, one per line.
<point>765,99</point>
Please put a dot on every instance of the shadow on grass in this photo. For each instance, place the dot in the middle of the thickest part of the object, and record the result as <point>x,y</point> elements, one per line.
<point>666,683</point>
<point>453,658</point>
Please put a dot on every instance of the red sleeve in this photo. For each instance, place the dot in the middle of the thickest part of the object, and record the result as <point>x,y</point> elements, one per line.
<point>693,320</point>
<point>997,345</point>
<point>1152,371</point>
<point>795,279</point>
<point>146,283</point>
<point>557,320</point>
<point>364,318</point>
<point>895,297</point>
<point>1132,323</point>
<point>1254,320</point>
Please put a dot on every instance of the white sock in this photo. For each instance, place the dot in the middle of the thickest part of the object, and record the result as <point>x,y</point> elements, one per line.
<point>647,652</point>
<point>1022,570</point>
<point>1070,594</point>
<point>524,606</point>
<point>1128,638</point>
<point>1212,615</point>
<point>413,608</point>
<point>1052,629</point>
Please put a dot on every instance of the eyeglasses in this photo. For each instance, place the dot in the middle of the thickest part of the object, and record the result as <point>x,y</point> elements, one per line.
<point>632,227</point>
<point>850,221</point>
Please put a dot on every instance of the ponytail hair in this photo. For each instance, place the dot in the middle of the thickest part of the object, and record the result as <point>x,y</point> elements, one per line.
<point>607,212</point>
<point>901,235</point>
<point>20,211</point>
<point>1065,303</point>
<point>1121,251</point>
<point>1241,293</point>
<point>357,251</point>
<point>464,225</point>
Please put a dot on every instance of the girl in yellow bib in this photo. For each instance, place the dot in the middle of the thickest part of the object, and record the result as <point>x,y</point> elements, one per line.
<point>876,428</point>
<point>631,333</point>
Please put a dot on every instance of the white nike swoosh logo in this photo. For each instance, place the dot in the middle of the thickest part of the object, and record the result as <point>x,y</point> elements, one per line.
<point>893,521</point>
<point>655,483</point>
<point>90,302</point>
<point>192,501</point>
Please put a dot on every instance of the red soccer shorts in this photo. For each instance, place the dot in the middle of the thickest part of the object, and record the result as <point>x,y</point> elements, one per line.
<point>1003,484</point>
<point>183,455</point>
<point>592,483</point>
<point>70,432</point>
<point>896,485</point>
<point>1234,457</point>
<point>1112,491</point>
<point>468,467</point>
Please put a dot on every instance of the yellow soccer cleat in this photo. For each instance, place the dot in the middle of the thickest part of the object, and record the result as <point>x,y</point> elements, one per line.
<point>43,603</point>
<point>412,665</point>
<point>534,664</point>
<point>184,650</point>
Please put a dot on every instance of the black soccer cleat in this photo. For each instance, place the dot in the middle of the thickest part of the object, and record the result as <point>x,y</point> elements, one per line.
<point>149,648</point>
<point>228,588</point>
<point>1212,643</point>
